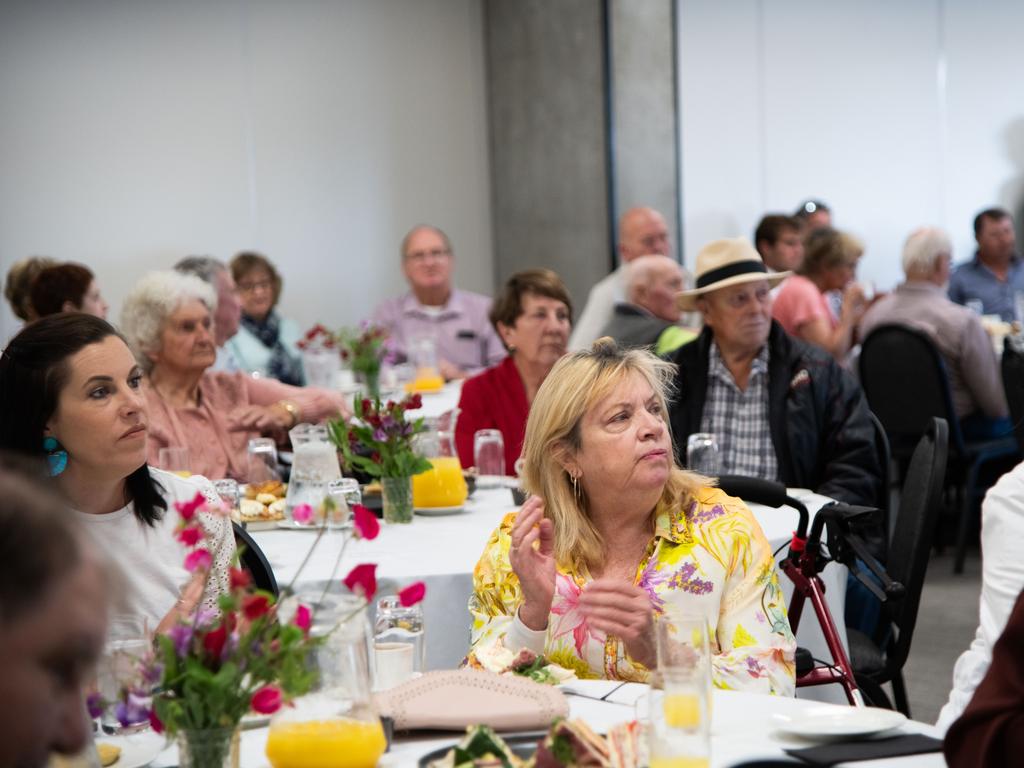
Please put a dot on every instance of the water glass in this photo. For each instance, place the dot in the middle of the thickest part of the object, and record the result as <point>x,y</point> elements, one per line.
<point>118,670</point>
<point>176,459</point>
<point>399,645</point>
<point>489,457</point>
<point>342,495</point>
<point>228,491</point>
<point>262,461</point>
<point>702,454</point>
<point>680,697</point>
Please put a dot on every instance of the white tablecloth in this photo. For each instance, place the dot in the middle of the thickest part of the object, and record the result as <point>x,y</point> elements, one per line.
<point>442,551</point>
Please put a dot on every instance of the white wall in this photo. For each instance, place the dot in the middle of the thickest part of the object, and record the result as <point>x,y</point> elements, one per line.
<point>896,114</point>
<point>135,133</point>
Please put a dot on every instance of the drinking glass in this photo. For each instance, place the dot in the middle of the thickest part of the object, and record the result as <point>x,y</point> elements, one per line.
<point>118,670</point>
<point>399,646</point>
<point>262,461</point>
<point>227,489</point>
<point>489,457</point>
<point>702,454</point>
<point>176,459</point>
<point>342,495</point>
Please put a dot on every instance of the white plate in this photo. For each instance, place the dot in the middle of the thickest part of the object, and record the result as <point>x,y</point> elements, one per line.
<point>438,511</point>
<point>137,749</point>
<point>291,525</point>
<point>828,722</point>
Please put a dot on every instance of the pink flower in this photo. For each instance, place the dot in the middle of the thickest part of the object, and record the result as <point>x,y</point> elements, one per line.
<point>303,618</point>
<point>363,579</point>
<point>412,594</point>
<point>190,535</point>
<point>187,509</point>
<point>570,616</point>
<point>155,722</point>
<point>199,559</point>
<point>214,641</point>
<point>254,606</point>
<point>240,579</point>
<point>302,514</point>
<point>267,700</point>
<point>365,523</point>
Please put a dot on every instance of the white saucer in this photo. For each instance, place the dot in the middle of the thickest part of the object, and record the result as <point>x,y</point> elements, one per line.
<point>137,749</point>
<point>438,511</point>
<point>829,722</point>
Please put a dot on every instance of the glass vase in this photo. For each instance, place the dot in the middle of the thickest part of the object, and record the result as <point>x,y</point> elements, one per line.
<point>370,383</point>
<point>397,493</point>
<point>215,748</point>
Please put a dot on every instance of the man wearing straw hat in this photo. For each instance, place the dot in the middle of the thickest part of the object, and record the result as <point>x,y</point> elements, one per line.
<point>780,409</point>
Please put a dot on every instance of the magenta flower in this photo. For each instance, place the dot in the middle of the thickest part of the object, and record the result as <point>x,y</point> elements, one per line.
<point>188,509</point>
<point>412,594</point>
<point>190,535</point>
<point>267,700</point>
<point>199,559</point>
<point>303,618</point>
<point>362,580</point>
<point>365,523</point>
<point>302,514</point>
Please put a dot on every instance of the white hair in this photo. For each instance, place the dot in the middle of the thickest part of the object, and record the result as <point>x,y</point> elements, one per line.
<point>642,271</point>
<point>922,250</point>
<point>155,298</point>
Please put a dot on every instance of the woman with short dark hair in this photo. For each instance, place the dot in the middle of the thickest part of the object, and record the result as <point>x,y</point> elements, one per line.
<point>533,317</point>
<point>67,287</point>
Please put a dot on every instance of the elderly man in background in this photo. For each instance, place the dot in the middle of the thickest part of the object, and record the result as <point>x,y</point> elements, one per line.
<point>434,308</point>
<point>995,276</point>
<point>920,302</point>
<point>228,314</point>
<point>642,232</point>
<point>649,316</point>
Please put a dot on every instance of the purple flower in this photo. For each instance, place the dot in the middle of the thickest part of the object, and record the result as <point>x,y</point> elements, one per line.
<point>95,704</point>
<point>153,671</point>
<point>388,421</point>
<point>134,708</point>
<point>181,636</point>
<point>205,617</point>
<point>686,580</point>
<point>380,435</point>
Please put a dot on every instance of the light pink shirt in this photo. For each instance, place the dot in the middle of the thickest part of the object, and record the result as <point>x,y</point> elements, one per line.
<point>216,451</point>
<point>800,302</point>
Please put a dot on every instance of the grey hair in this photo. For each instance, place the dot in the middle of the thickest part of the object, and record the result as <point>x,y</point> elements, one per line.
<point>153,299</point>
<point>206,268</point>
<point>922,250</point>
<point>640,272</point>
<point>430,228</point>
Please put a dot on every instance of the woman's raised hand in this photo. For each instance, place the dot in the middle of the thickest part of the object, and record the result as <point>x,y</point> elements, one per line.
<point>624,610</point>
<point>532,556</point>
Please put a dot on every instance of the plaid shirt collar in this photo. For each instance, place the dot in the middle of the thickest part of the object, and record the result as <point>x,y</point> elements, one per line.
<point>718,370</point>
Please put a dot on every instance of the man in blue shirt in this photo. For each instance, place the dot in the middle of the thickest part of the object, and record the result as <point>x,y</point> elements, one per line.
<point>995,276</point>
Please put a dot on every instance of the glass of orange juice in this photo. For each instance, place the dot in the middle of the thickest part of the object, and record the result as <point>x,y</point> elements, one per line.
<point>335,725</point>
<point>443,485</point>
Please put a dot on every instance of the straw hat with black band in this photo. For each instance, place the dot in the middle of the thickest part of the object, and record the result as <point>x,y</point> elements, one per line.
<point>722,263</point>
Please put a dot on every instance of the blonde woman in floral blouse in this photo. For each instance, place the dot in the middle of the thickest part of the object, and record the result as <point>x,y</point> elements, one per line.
<point>616,537</point>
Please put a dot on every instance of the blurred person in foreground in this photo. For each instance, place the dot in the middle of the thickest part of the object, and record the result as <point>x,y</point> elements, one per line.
<point>616,536</point>
<point>995,276</point>
<point>435,308</point>
<point>227,312</point>
<point>533,317</point>
<point>53,622</point>
<point>18,285</point>
<point>71,400</point>
<point>649,315</point>
<point>265,342</point>
<point>920,302</point>
<point>168,320</point>
<point>67,287</point>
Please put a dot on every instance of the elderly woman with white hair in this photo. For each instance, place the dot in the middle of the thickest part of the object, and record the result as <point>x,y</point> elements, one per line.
<point>920,302</point>
<point>168,320</point>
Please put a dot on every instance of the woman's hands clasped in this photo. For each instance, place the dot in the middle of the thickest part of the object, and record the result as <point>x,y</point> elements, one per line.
<point>622,609</point>
<point>534,565</point>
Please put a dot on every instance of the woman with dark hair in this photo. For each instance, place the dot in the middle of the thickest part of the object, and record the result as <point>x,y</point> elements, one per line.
<point>67,288</point>
<point>266,343</point>
<point>533,317</point>
<point>71,397</point>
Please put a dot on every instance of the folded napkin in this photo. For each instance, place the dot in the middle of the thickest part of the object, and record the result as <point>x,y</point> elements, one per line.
<point>456,699</point>
<point>871,749</point>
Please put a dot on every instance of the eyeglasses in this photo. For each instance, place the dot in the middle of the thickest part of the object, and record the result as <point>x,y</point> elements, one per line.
<point>743,298</point>
<point>256,285</point>
<point>436,253</point>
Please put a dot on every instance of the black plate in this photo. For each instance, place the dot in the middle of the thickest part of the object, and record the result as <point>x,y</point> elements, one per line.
<point>521,746</point>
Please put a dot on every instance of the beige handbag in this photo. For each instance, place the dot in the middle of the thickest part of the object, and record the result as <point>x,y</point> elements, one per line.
<point>456,699</point>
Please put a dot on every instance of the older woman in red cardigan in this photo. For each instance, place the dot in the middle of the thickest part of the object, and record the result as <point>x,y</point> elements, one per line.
<point>533,317</point>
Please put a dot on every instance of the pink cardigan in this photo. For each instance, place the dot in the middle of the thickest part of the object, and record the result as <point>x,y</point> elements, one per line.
<point>214,450</point>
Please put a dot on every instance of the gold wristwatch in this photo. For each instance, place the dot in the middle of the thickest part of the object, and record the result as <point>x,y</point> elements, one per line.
<point>293,410</point>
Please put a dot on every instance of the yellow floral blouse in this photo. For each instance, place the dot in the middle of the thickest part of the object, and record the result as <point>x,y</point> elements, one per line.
<point>713,561</point>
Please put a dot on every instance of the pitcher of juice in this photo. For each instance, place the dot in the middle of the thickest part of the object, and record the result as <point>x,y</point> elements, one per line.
<point>443,485</point>
<point>314,465</point>
<point>335,725</point>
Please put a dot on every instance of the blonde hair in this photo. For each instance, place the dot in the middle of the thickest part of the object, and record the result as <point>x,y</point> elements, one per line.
<point>553,434</point>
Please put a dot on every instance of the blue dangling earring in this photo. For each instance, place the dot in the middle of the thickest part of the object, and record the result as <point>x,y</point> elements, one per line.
<point>56,456</point>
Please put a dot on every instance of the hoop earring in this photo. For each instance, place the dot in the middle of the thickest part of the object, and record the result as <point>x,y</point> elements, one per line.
<point>56,457</point>
<point>575,486</point>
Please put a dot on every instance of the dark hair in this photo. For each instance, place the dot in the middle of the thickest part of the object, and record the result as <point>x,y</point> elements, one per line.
<point>246,261</point>
<point>992,214</point>
<point>56,285</point>
<point>807,207</point>
<point>38,540</point>
<point>33,371</point>
<point>18,287</point>
<point>508,305</point>
<point>771,227</point>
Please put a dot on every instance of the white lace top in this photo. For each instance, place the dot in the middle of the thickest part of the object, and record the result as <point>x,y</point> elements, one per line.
<point>152,559</point>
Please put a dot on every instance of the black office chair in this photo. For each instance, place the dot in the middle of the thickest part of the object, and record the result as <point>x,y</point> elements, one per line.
<point>1012,365</point>
<point>880,659</point>
<point>905,380</point>
<point>254,561</point>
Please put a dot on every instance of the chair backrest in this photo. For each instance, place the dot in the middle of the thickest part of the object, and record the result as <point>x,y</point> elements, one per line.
<point>1013,383</point>
<point>918,514</point>
<point>884,460</point>
<point>254,561</point>
<point>905,380</point>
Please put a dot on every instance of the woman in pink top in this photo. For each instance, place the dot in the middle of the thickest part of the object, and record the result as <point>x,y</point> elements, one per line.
<point>168,320</point>
<point>830,264</point>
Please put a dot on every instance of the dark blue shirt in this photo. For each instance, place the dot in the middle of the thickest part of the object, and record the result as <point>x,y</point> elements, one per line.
<point>973,280</point>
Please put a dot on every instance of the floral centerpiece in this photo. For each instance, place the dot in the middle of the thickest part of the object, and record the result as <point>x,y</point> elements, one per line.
<point>379,442</point>
<point>365,349</point>
<point>253,654</point>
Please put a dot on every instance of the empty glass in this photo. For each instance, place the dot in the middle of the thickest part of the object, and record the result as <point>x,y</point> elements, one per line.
<point>342,495</point>
<point>399,647</point>
<point>489,457</point>
<point>175,458</point>
<point>262,461</point>
<point>118,672</point>
<point>227,489</point>
<point>702,454</point>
